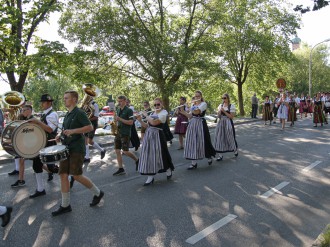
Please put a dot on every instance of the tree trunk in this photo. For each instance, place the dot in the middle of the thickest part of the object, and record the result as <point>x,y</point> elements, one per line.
<point>240,98</point>
<point>14,85</point>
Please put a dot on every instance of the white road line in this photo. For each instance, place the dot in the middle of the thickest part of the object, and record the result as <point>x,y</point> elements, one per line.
<point>210,229</point>
<point>276,189</point>
<point>311,166</point>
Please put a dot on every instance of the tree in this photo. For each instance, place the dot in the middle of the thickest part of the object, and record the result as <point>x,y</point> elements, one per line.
<point>19,21</point>
<point>318,4</point>
<point>150,40</point>
<point>251,38</point>
<point>298,71</point>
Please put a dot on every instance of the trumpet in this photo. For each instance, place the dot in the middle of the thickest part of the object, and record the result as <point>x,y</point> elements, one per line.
<point>139,114</point>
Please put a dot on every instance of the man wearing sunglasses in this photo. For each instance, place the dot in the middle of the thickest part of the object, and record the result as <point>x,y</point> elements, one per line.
<point>124,122</point>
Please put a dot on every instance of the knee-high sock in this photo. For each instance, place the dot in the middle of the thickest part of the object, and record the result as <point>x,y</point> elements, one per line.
<point>65,199</point>
<point>87,152</point>
<point>17,164</point>
<point>40,182</point>
<point>95,190</point>
<point>97,146</point>
<point>3,210</point>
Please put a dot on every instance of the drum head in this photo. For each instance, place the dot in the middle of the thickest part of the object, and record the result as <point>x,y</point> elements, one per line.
<point>52,149</point>
<point>28,139</point>
<point>6,138</point>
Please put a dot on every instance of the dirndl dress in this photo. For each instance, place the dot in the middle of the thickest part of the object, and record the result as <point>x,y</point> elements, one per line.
<point>225,139</point>
<point>318,116</point>
<point>181,124</point>
<point>154,156</point>
<point>282,112</point>
<point>198,143</point>
<point>267,114</point>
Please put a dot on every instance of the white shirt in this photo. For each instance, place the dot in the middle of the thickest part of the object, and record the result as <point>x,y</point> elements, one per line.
<point>202,106</point>
<point>52,118</point>
<point>232,108</point>
<point>96,109</point>
<point>162,115</point>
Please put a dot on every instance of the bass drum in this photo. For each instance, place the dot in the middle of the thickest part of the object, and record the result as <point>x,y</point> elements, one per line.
<point>23,139</point>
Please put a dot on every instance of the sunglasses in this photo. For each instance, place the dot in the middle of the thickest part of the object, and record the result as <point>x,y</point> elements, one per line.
<point>224,98</point>
<point>156,104</point>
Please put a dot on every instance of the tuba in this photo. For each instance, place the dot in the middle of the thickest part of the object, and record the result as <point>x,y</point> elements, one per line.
<point>91,92</point>
<point>13,100</point>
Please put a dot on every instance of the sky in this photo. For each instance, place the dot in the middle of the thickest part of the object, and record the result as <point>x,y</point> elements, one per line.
<point>314,29</point>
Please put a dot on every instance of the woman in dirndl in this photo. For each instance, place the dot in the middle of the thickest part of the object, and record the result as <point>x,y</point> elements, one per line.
<point>267,114</point>
<point>181,123</point>
<point>292,111</point>
<point>225,139</point>
<point>198,143</point>
<point>309,104</point>
<point>282,112</point>
<point>155,157</point>
<point>303,105</point>
<point>318,116</point>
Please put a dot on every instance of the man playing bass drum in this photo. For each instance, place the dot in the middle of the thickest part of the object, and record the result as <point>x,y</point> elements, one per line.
<point>49,123</point>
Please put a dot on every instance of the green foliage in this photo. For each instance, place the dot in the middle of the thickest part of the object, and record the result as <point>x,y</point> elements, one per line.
<point>19,20</point>
<point>326,238</point>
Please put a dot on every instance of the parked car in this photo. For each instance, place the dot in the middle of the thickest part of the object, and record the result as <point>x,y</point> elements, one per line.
<point>106,111</point>
<point>104,120</point>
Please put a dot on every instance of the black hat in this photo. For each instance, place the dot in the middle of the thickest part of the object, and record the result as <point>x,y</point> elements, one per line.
<point>46,97</point>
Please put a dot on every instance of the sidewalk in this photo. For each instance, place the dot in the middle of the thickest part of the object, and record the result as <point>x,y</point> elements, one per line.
<point>107,140</point>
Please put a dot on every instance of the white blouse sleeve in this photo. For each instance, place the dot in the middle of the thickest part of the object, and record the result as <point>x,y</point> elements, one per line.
<point>232,108</point>
<point>162,116</point>
<point>52,120</point>
<point>202,107</point>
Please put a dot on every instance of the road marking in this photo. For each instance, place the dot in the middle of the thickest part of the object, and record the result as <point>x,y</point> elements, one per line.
<point>276,189</point>
<point>311,166</point>
<point>210,229</point>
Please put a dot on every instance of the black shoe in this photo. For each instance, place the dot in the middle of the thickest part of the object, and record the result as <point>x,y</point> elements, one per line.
<point>102,154</point>
<point>62,210</point>
<point>55,169</point>
<point>192,167</point>
<point>210,162</point>
<point>18,183</point>
<point>219,158</point>
<point>236,153</point>
<point>37,194</point>
<point>136,148</point>
<point>71,181</point>
<point>151,182</point>
<point>120,171</point>
<point>15,172</point>
<point>87,160</point>
<point>6,216</point>
<point>169,176</point>
<point>50,177</point>
<point>97,199</point>
<point>136,165</point>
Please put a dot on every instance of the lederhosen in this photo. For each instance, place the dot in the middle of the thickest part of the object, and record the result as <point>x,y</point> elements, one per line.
<point>37,164</point>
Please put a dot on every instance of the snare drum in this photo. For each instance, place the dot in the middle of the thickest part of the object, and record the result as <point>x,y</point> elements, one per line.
<point>54,154</point>
<point>24,139</point>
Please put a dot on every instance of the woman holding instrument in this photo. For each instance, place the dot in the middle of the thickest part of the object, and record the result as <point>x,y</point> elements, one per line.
<point>198,140</point>
<point>181,121</point>
<point>224,139</point>
<point>155,157</point>
<point>146,106</point>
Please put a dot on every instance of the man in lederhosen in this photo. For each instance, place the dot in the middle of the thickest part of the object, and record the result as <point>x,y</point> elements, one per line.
<point>49,123</point>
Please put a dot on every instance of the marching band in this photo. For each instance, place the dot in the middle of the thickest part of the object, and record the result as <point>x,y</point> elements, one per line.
<point>78,131</point>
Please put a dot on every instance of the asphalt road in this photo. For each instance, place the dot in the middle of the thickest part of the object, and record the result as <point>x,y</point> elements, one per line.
<point>275,193</point>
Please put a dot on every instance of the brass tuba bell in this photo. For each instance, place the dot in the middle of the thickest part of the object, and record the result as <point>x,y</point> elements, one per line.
<point>91,92</point>
<point>13,100</point>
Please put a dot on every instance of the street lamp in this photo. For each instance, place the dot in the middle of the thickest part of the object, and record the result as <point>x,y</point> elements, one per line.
<point>310,66</point>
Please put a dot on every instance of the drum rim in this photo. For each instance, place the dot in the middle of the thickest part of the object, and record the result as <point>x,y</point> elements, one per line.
<point>64,149</point>
<point>14,153</point>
